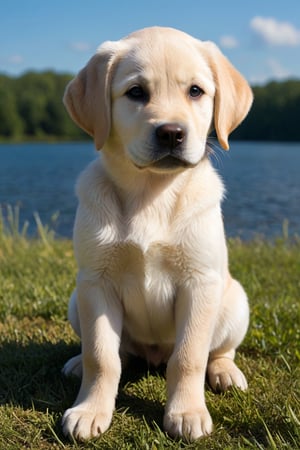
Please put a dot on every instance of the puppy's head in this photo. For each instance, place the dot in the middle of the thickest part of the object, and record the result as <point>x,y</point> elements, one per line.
<point>155,95</point>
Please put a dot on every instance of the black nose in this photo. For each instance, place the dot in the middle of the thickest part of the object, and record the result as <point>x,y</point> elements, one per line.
<point>170,135</point>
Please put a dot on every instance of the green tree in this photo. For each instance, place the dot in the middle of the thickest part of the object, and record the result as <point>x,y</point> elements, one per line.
<point>11,125</point>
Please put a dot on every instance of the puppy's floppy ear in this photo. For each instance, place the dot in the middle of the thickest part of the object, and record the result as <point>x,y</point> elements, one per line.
<point>87,96</point>
<point>233,97</point>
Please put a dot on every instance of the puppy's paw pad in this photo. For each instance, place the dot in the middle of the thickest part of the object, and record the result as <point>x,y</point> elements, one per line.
<point>223,374</point>
<point>81,424</point>
<point>189,425</point>
<point>73,367</point>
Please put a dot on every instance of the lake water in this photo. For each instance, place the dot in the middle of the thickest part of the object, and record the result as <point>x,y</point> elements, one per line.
<point>262,181</point>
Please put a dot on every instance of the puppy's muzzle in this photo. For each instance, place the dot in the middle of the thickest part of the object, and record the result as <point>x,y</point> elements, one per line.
<point>169,147</point>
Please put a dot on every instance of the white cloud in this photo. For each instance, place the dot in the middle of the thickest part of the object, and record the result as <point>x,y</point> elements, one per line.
<point>228,42</point>
<point>276,33</point>
<point>81,46</point>
<point>16,59</point>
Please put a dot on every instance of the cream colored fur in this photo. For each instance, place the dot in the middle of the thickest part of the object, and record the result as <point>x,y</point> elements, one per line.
<point>153,275</point>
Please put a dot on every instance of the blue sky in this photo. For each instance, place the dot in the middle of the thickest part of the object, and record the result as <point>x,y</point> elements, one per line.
<point>260,37</point>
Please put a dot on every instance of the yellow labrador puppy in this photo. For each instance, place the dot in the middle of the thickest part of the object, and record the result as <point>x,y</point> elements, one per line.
<point>153,275</point>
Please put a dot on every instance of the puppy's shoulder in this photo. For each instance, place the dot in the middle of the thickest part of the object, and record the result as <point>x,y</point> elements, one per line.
<point>93,184</point>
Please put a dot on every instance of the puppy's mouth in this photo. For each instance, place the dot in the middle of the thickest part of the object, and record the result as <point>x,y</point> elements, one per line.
<point>167,163</point>
<point>171,162</point>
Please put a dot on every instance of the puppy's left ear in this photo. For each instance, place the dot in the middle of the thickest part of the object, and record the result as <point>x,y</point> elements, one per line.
<point>87,96</point>
<point>233,97</point>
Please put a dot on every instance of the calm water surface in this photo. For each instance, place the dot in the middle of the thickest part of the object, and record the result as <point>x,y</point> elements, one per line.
<point>262,181</point>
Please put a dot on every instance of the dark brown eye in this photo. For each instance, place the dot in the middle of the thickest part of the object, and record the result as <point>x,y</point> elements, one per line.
<point>137,94</point>
<point>195,91</point>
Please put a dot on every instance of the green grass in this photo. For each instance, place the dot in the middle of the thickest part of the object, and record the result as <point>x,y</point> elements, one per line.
<point>36,279</point>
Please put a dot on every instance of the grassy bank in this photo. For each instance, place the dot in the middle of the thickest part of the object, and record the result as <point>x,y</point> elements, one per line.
<point>36,279</point>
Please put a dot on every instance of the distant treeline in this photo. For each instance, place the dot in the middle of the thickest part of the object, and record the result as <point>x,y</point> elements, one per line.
<point>31,108</point>
<point>275,114</point>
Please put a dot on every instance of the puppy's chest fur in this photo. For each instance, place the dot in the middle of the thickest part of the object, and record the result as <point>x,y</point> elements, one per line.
<point>142,245</point>
<point>143,265</point>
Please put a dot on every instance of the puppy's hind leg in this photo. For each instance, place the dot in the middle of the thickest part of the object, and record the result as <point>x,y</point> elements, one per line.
<point>223,373</point>
<point>74,365</point>
<point>229,332</point>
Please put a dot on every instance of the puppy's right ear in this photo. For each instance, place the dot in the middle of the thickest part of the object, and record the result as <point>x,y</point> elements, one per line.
<point>87,96</point>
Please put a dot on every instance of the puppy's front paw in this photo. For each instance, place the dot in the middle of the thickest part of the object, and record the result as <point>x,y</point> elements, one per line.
<point>223,374</point>
<point>190,425</point>
<point>83,424</point>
